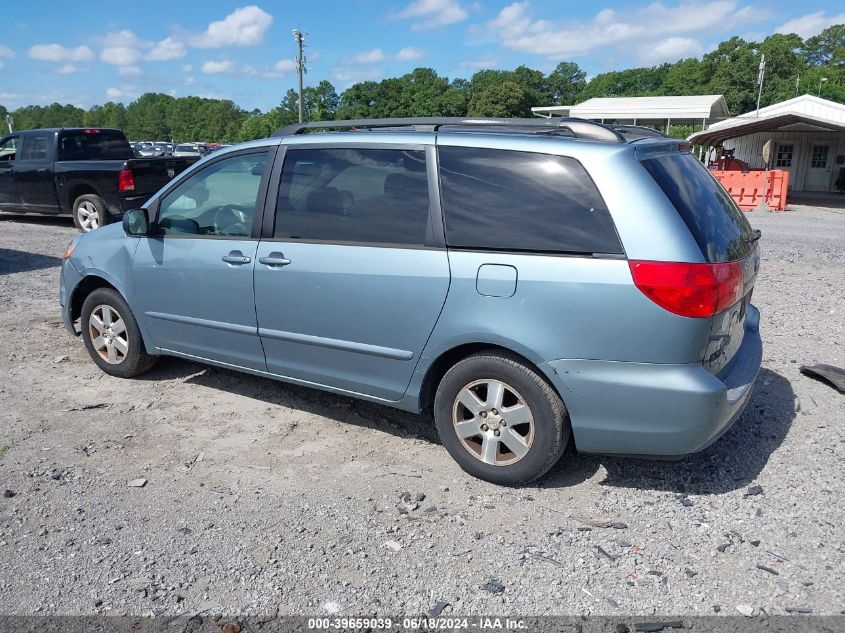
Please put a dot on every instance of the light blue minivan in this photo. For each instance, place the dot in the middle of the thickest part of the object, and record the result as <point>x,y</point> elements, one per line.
<point>528,282</point>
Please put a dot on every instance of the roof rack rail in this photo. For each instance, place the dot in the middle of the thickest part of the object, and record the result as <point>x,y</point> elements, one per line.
<point>579,128</point>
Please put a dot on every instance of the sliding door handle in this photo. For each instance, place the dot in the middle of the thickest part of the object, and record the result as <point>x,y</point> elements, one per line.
<point>274,259</point>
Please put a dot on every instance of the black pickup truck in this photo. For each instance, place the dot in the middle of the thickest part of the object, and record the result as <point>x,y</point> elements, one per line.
<point>89,173</point>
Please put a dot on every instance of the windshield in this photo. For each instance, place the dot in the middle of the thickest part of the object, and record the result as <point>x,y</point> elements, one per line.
<point>94,145</point>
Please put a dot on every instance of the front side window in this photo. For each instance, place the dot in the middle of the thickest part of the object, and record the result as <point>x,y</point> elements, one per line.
<point>9,148</point>
<point>219,200</point>
<point>522,201</point>
<point>34,147</point>
<point>375,196</point>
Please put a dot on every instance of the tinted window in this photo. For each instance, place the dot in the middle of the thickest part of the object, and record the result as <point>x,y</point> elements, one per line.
<point>715,222</point>
<point>354,195</point>
<point>34,147</point>
<point>218,200</point>
<point>94,145</point>
<point>504,200</point>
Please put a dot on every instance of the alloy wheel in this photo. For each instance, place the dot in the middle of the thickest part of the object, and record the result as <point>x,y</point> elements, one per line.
<point>493,422</point>
<point>89,218</point>
<point>108,334</point>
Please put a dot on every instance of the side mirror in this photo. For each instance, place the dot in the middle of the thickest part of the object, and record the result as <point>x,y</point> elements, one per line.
<point>136,223</point>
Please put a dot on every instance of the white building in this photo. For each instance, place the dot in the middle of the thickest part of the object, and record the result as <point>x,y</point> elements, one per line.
<point>697,110</point>
<point>807,137</point>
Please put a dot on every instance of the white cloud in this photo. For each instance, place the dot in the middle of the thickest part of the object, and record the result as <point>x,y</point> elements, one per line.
<point>283,67</point>
<point>58,53</point>
<point>350,76</point>
<point>368,57</point>
<point>432,14</point>
<point>124,92</point>
<point>123,38</point>
<point>186,68</point>
<point>520,31</point>
<point>409,53</point>
<point>68,69</point>
<point>5,51</point>
<point>120,55</point>
<point>128,71</point>
<point>219,67</point>
<point>243,27</point>
<point>811,24</point>
<point>479,64</point>
<point>165,50</point>
<point>671,50</point>
<point>249,70</point>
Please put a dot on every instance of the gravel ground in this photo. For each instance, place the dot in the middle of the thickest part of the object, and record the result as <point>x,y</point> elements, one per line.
<point>263,498</point>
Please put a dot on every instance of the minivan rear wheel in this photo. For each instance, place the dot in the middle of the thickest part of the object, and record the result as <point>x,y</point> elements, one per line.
<point>500,419</point>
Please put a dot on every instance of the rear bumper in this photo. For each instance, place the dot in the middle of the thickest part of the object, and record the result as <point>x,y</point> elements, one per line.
<point>656,410</point>
<point>128,203</point>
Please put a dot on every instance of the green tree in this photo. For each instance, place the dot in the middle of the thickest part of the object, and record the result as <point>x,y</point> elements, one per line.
<point>565,83</point>
<point>505,99</point>
<point>147,117</point>
<point>826,47</point>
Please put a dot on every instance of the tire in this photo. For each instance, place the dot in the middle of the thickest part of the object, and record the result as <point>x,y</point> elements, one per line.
<point>125,356</point>
<point>532,420</point>
<point>90,212</point>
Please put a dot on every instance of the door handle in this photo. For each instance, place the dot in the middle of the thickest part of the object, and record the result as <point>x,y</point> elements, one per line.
<point>274,259</point>
<point>236,257</point>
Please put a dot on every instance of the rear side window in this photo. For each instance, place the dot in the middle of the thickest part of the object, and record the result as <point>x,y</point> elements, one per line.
<point>94,145</point>
<point>715,222</point>
<point>34,147</point>
<point>522,201</point>
<point>377,196</point>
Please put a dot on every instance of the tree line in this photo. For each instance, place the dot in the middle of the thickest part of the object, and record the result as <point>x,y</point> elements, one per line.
<point>793,66</point>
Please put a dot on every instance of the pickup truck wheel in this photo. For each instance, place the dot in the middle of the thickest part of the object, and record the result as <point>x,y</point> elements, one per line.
<point>90,212</point>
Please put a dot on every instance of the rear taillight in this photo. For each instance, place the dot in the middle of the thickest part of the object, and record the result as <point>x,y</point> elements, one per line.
<point>126,180</point>
<point>690,290</point>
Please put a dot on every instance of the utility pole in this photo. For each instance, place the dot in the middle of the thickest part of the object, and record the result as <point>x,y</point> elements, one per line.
<point>797,82</point>
<point>299,36</point>
<point>821,81</point>
<point>10,122</point>
<point>761,75</point>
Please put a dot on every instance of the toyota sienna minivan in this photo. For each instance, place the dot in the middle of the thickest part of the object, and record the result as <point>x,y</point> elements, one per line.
<point>527,282</point>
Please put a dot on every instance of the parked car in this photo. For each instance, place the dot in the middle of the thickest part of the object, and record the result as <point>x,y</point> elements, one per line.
<point>89,173</point>
<point>188,149</point>
<point>165,148</point>
<point>527,282</point>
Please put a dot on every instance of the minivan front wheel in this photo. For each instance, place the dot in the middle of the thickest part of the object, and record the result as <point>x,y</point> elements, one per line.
<point>111,335</point>
<point>499,419</point>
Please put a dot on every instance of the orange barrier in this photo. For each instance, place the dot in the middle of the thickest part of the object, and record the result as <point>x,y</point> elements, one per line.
<point>751,188</point>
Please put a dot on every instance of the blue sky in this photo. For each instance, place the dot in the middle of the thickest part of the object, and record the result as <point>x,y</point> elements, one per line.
<point>98,50</point>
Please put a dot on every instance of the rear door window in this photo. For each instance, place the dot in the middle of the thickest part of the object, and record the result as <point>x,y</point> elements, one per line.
<point>715,222</point>
<point>94,145</point>
<point>371,196</point>
<point>522,201</point>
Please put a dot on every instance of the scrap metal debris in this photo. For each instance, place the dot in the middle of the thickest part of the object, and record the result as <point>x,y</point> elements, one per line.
<point>834,376</point>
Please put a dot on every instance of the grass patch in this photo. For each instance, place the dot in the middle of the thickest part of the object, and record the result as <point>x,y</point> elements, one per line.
<point>4,448</point>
